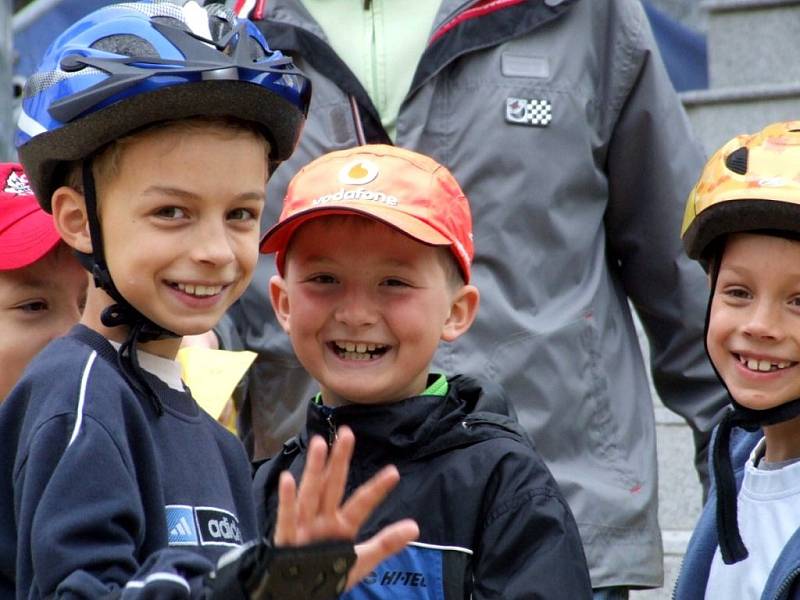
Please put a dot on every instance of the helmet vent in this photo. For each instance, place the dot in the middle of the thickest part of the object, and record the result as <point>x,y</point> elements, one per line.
<point>38,82</point>
<point>126,45</point>
<point>219,28</point>
<point>737,161</point>
<point>172,21</point>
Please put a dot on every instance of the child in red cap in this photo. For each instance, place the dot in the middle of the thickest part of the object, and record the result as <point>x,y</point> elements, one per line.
<point>42,285</point>
<point>373,248</point>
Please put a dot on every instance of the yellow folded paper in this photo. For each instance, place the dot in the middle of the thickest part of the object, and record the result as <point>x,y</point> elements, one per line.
<point>212,375</point>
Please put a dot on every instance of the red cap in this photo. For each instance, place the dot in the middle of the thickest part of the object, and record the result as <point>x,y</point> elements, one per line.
<point>405,190</point>
<point>27,233</point>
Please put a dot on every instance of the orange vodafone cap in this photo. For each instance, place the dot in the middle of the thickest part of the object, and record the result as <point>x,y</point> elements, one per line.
<point>400,188</point>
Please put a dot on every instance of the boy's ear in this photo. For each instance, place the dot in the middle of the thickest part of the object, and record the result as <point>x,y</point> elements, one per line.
<point>463,311</point>
<point>69,214</point>
<point>280,300</point>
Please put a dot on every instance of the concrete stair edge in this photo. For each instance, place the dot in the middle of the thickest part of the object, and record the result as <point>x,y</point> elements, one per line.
<point>740,93</point>
<point>720,6</point>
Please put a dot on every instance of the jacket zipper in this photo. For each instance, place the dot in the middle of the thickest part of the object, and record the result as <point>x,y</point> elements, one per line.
<point>678,578</point>
<point>787,582</point>
<point>361,137</point>
<point>331,422</point>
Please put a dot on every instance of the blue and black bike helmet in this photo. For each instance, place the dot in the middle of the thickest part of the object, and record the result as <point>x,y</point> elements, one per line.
<point>129,65</point>
<point>134,64</point>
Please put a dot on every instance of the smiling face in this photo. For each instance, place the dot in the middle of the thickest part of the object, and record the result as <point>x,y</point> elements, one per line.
<point>365,308</point>
<point>180,222</point>
<point>754,327</point>
<point>37,304</point>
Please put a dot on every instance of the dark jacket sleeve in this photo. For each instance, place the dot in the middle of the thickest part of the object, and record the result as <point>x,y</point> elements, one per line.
<point>530,546</point>
<point>653,161</point>
<point>82,520</point>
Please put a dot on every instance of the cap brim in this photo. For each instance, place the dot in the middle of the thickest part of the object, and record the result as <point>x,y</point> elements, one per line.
<point>27,241</point>
<point>277,237</point>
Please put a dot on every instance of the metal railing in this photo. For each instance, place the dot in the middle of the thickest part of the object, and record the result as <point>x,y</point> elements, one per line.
<point>6,96</point>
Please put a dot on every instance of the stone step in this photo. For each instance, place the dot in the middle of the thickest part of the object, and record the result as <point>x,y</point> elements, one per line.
<point>719,114</point>
<point>680,495</point>
<point>688,12</point>
<point>679,491</point>
<point>672,566</point>
<point>753,42</point>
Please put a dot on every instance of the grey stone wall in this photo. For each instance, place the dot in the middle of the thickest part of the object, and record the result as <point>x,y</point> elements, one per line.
<point>688,12</point>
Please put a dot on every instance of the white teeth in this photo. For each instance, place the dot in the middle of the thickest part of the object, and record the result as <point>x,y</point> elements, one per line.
<point>199,290</point>
<point>357,350</point>
<point>764,366</point>
<point>358,346</point>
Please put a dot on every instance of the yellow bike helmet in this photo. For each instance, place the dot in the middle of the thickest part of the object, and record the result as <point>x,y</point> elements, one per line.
<point>750,184</point>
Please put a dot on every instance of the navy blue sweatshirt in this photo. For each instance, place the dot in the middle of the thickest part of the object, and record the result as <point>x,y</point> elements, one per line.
<point>99,494</point>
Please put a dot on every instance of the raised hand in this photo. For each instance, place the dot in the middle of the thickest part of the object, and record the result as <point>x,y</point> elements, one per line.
<point>314,512</point>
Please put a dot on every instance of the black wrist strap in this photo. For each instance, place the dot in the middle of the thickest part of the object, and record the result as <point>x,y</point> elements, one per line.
<point>259,571</point>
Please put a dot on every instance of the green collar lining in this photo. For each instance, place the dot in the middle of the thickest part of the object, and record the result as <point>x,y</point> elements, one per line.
<point>437,387</point>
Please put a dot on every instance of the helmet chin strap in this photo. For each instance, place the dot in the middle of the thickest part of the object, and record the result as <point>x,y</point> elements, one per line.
<point>121,313</point>
<point>731,546</point>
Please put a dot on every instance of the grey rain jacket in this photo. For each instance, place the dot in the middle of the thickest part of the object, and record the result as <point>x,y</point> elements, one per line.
<point>571,219</point>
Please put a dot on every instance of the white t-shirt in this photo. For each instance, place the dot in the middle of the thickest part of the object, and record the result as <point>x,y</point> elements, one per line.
<point>768,514</point>
<point>168,371</point>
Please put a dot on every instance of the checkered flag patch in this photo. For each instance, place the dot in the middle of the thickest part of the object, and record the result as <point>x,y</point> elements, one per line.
<point>17,183</point>
<point>524,111</point>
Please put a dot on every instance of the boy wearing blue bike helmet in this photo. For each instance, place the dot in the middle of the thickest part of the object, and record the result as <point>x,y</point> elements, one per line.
<point>149,131</point>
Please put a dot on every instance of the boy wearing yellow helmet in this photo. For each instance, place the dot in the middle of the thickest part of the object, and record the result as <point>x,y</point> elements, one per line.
<point>742,222</point>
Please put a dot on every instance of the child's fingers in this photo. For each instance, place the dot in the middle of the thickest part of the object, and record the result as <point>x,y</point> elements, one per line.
<point>286,521</point>
<point>308,494</point>
<point>368,495</point>
<point>336,471</point>
<point>389,540</point>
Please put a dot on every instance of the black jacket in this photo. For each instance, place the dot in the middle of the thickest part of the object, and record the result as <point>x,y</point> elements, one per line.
<point>492,521</point>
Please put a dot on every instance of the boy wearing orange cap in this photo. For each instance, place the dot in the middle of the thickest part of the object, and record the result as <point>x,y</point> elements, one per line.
<point>42,286</point>
<point>374,247</point>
